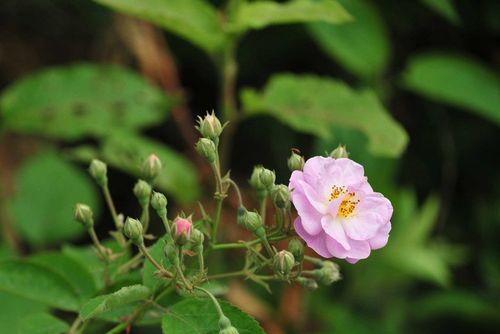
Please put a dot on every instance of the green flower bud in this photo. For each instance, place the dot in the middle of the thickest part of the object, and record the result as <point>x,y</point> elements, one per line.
<point>249,219</point>
<point>209,126</point>
<point>307,283</point>
<point>328,273</point>
<point>84,215</point>
<point>283,263</point>
<point>171,253</point>
<point>339,152</point>
<point>225,326</point>
<point>280,195</point>
<point>133,230</point>
<point>151,167</point>
<point>295,162</point>
<point>142,190</point>
<point>255,178</point>
<point>98,170</point>
<point>296,247</point>
<point>197,237</point>
<point>206,148</point>
<point>267,178</point>
<point>159,203</point>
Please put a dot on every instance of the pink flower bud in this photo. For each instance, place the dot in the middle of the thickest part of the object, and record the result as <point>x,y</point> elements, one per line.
<point>182,230</point>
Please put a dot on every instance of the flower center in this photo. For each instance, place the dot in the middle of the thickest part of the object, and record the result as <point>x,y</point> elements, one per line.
<point>349,202</point>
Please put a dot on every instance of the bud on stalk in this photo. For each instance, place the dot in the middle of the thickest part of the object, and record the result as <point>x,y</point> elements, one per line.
<point>283,263</point>
<point>328,273</point>
<point>98,170</point>
<point>296,247</point>
<point>267,178</point>
<point>181,230</point>
<point>295,162</point>
<point>133,230</point>
<point>307,283</point>
<point>84,215</point>
<point>151,167</point>
<point>206,148</point>
<point>225,326</point>
<point>210,126</point>
<point>339,152</point>
<point>280,195</point>
<point>142,190</point>
<point>159,203</point>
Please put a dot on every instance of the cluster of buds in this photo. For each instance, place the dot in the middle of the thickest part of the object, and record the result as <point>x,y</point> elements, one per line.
<point>251,221</point>
<point>210,129</point>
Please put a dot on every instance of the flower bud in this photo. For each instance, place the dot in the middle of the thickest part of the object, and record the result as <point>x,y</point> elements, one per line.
<point>206,148</point>
<point>249,219</point>
<point>328,273</point>
<point>280,195</point>
<point>295,162</point>
<point>296,247</point>
<point>339,152</point>
<point>151,167</point>
<point>84,215</point>
<point>133,230</point>
<point>98,170</point>
<point>307,283</point>
<point>181,230</point>
<point>159,203</point>
<point>171,253</point>
<point>255,178</point>
<point>225,326</point>
<point>267,178</point>
<point>197,237</point>
<point>210,126</point>
<point>142,190</point>
<point>283,263</point>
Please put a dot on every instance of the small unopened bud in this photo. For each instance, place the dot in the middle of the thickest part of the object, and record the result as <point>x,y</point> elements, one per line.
<point>210,126</point>
<point>267,178</point>
<point>328,273</point>
<point>151,167</point>
<point>280,195</point>
<point>255,178</point>
<point>295,162</point>
<point>307,283</point>
<point>98,170</point>
<point>225,326</point>
<point>133,230</point>
<point>159,203</point>
<point>181,230</point>
<point>197,237</point>
<point>249,219</point>
<point>283,262</point>
<point>296,247</point>
<point>339,152</point>
<point>142,190</point>
<point>84,215</point>
<point>171,253</point>
<point>206,148</point>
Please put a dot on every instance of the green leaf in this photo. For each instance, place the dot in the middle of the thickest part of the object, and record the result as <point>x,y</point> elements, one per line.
<point>70,269</point>
<point>361,46</point>
<point>42,323</point>
<point>199,316</point>
<point>87,258</point>
<point>37,283</point>
<point>457,81</point>
<point>47,189</point>
<point>149,278</point>
<point>260,14</point>
<point>73,102</point>
<point>178,177</point>
<point>313,104</point>
<point>118,299</point>
<point>444,8</point>
<point>193,20</point>
<point>14,309</point>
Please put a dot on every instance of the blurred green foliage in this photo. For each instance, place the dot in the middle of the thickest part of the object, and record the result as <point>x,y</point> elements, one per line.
<point>385,76</point>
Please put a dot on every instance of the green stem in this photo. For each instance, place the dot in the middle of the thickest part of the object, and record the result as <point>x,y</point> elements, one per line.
<point>144,251</point>
<point>263,206</point>
<point>178,267</point>
<point>166,223</point>
<point>214,300</point>
<point>111,207</point>
<point>145,217</point>
<point>130,263</point>
<point>234,245</point>
<point>226,275</point>
<point>74,329</point>
<point>238,192</point>
<point>216,223</point>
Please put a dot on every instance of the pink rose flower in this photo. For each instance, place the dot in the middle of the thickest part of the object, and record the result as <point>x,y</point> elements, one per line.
<point>339,213</point>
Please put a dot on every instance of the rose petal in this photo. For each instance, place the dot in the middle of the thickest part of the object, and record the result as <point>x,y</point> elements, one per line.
<point>380,239</point>
<point>310,217</point>
<point>333,227</point>
<point>317,242</point>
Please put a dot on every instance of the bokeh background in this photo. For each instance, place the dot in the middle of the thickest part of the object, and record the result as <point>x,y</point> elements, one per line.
<point>411,87</point>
